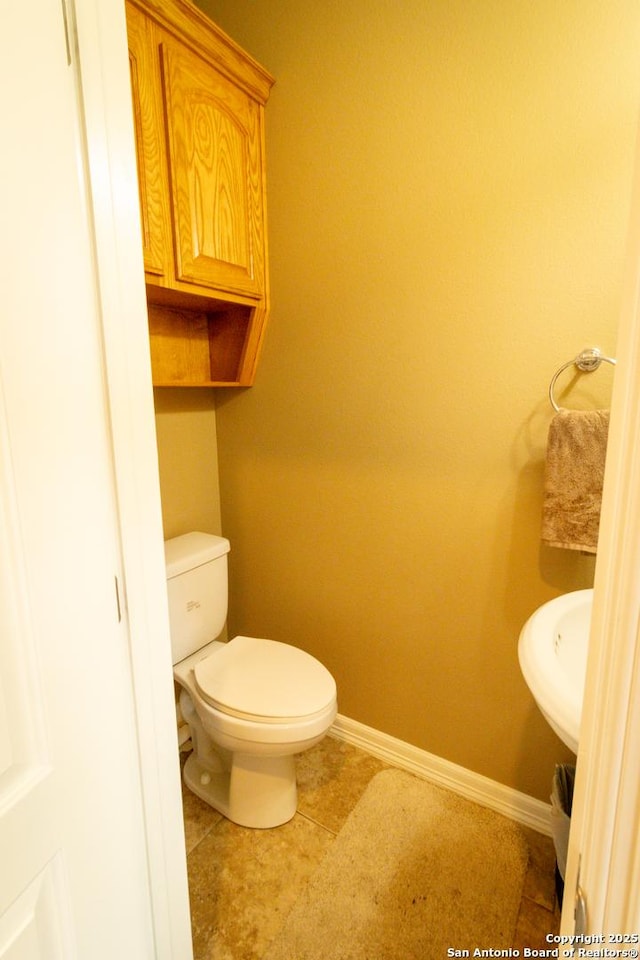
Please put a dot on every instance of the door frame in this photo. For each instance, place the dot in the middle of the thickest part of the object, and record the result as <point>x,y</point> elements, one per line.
<point>98,33</point>
<point>604,842</point>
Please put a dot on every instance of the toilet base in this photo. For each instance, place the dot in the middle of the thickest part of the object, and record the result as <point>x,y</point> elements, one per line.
<point>257,792</point>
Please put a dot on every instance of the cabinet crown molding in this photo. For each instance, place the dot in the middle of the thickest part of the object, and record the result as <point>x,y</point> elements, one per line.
<point>191,26</point>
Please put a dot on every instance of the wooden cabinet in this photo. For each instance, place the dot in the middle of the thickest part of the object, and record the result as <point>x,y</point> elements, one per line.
<point>198,104</point>
<point>214,143</point>
<point>152,172</point>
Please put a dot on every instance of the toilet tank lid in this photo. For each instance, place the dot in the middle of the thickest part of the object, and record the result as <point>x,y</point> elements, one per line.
<point>192,550</point>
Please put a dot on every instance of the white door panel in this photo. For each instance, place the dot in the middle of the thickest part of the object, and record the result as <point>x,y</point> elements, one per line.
<point>73,879</point>
<point>30,929</point>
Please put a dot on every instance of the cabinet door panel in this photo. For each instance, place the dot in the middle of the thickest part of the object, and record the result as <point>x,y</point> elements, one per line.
<point>145,85</point>
<point>215,146</point>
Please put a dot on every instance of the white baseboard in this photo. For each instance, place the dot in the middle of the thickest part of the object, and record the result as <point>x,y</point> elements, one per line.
<point>488,793</point>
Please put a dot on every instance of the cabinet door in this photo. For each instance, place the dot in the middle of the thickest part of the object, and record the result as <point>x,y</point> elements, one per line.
<point>147,114</point>
<point>214,135</point>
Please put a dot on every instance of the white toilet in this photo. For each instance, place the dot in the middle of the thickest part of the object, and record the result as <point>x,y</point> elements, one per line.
<point>251,704</point>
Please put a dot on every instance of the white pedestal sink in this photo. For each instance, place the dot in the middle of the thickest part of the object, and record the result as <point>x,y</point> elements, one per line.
<point>552,650</point>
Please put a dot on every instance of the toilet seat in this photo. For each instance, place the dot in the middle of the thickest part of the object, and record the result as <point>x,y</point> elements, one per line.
<point>265,681</point>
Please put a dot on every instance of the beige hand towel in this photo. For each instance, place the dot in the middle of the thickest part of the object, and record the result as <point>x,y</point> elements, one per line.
<point>574,471</point>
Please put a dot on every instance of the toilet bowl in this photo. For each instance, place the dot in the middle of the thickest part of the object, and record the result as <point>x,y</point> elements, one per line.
<point>251,704</point>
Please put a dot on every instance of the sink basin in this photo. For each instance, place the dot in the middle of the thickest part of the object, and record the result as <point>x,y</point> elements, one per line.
<point>552,650</point>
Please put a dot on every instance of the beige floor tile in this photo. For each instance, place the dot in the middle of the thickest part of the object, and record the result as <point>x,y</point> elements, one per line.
<point>199,818</point>
<point>243,883</point>
<point>534,923</point>
<point>332,777</point>
<point>539,884</point>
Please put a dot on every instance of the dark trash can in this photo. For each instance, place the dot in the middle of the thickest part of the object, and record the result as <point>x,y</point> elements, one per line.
<point>561,803</point>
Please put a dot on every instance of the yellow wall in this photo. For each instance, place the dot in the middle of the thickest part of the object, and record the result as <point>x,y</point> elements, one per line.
<point>187,461</point>
<point>448,189</point>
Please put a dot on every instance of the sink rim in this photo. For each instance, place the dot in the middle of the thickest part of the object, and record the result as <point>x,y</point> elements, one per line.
<point>557,690</point>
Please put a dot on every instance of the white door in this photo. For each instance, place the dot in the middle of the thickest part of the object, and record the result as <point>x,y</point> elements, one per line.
<point>602,890</point>
<point>73,864</point>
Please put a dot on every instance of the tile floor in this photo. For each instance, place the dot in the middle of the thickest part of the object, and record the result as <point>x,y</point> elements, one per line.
<point>243,882</point>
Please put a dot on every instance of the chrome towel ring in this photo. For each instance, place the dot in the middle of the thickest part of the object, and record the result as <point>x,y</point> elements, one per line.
<point>587,361</point>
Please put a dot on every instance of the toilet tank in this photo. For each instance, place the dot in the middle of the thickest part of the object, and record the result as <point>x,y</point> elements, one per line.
<point>197,589</point>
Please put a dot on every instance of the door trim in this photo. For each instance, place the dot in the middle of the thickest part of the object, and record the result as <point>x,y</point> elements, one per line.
<point>101,43</point>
